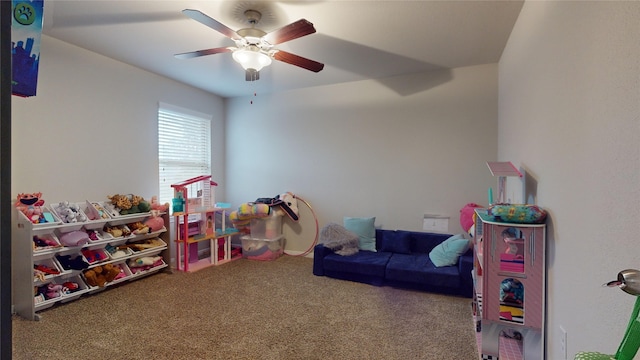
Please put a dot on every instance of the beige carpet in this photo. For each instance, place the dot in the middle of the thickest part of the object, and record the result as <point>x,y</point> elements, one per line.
<point>251,310</point>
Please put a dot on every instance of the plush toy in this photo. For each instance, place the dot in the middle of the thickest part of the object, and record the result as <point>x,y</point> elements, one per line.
<point>154,223</point>
<point>93,255</point>
<point>74,238</point>
<point>68,263</point>
<point>100,275</point>
<point>467,217</point>
<point>117,231</point>
<point>285,203</point>
<point>31,206</point>
<point>241,218</point>
<point>44,243</point>
<point>144,261</point>
<point>129,204</point>
<point>70,213</point>
<point>102,213</point>
<point>69,287</point>
<point>122,202</point>
<point>155,205</point>
<point>142,245</point>
<point>138,228</point>
<point>53,291</point>
<point>289,204</point>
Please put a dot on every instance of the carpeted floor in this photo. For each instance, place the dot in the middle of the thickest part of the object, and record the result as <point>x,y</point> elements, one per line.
<point>251,310</point>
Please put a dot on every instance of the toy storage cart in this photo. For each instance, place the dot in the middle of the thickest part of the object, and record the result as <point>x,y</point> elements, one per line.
<point>195,212</point>
<point>512,290</point>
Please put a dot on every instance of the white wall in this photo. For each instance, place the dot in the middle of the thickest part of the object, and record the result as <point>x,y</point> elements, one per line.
<point>362,149</point>
<point>569,113</point>
<point>91,130</point>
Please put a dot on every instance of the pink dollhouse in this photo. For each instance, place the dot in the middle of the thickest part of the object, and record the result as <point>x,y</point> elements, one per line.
<point>511,286</point>
<point>194,209</point>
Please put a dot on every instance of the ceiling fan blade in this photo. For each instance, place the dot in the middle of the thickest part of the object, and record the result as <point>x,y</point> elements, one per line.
<point>193,54</point>
<point>296,60</point>
<point>200,17</point>
<point>292,31</point>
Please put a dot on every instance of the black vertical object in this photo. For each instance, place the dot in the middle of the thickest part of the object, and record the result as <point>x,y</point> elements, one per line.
<point>5,180</point>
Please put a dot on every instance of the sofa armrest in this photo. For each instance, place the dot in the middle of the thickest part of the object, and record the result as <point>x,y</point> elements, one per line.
<point>319,252</point>
<point>465,266</point>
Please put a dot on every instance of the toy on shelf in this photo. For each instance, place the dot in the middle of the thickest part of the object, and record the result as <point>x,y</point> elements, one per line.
<point>128,204</point>
<point>285,203</point>
<point>69,263</point>
<point>100,275</point>
<point>44,243</point>
<point>513,257</point>
<point>155,205</point>
<point>154,223</point>
<point>69,212</point>
<point>144,263</point>
<point>32,206</point>
<point>75,238</point>
<point>241,218</point>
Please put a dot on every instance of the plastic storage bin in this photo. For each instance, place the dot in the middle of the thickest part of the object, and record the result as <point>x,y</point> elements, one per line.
<point>261,248</point>
<point>267,228</point>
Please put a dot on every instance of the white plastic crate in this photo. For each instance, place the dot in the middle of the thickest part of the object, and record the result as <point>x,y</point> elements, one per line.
<point>267,228</point>
<point>261,248</point>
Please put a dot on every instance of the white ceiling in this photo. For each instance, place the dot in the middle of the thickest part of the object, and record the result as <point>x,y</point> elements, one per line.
<point>355,39</point>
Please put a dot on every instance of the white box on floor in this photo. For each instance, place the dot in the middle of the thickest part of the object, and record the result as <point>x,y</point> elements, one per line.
<point>261,248</point>
<point>269,227</point>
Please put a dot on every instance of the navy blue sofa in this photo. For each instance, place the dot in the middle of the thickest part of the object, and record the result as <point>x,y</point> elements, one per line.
<point>410,268</point>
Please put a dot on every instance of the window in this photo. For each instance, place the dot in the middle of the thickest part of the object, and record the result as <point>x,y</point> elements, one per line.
<point>184,147</point>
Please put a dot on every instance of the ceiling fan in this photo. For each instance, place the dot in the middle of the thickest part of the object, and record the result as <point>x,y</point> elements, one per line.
<point>255,48</point>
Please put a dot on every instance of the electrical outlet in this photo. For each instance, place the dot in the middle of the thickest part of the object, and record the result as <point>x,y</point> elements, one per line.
<point>563,342</point>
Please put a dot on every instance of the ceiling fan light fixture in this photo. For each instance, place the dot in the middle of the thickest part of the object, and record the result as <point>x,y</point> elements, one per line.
<point>250,58</point>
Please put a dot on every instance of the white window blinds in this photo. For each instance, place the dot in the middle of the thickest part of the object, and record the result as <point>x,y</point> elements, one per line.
<point>184,147</point>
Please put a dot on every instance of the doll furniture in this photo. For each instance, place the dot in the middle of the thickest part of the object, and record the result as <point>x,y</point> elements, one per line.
<point>509,282</point>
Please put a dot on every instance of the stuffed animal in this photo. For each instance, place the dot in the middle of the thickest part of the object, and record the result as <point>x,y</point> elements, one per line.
<point>69,213</point>
<point>100,275</point>
<point>144,261</point>
<point>154,223</point>
<point>74,238</point>
<point>468,218</point>
<point>155,205</point>
<point>77,263</point>
<point>31,206</point>
<point>130,204</point>
<point>122,202</point>
<point>138,228</point>
<point>289,205</point>
<point>241,218</point>
<point>53,291</point>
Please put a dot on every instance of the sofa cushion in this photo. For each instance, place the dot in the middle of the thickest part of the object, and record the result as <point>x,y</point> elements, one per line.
<point>423,242</point>
<point>418,268</point>
<point>396,242</point>
<point>448,252</point>
<point>363,262</point>
<point>365,229</point>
